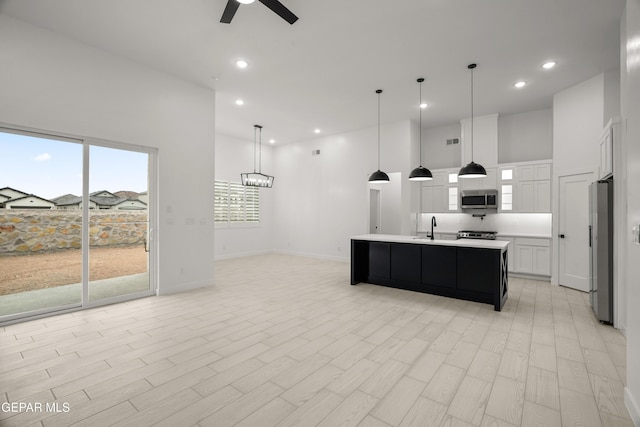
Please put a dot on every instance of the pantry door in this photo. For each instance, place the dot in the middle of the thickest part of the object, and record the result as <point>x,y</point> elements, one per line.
<point>573,231</point>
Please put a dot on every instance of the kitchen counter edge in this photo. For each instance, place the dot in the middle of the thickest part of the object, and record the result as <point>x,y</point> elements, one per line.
<point>464,243</point>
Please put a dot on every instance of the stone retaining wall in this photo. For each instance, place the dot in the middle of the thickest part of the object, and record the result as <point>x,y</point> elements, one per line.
<point>24,231</point>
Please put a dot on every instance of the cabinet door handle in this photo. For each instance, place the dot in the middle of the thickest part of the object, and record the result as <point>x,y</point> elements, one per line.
<point>561,236</point>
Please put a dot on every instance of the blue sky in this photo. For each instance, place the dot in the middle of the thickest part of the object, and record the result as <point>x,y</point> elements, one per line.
<point>52,168</point>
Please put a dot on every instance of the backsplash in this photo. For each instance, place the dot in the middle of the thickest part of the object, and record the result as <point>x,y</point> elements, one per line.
<point>509,223</point>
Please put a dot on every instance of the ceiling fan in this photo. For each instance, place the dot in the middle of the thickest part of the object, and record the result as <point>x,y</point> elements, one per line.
<point>274,5</point>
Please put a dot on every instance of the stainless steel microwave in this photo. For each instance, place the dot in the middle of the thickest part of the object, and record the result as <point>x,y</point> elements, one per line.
<point>479,199</point>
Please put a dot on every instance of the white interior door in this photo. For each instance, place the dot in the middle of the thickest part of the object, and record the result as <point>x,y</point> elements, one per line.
<point>374,210</point>
<point>573,231</point>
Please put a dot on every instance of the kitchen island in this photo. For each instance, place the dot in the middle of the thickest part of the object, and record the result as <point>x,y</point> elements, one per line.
<point>469,269</point>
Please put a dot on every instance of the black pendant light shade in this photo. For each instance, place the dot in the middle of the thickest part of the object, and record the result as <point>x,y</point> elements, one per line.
<point>473,169</point>
<point>257,179</point>
<point>420,173</point>
<point>378,177</point>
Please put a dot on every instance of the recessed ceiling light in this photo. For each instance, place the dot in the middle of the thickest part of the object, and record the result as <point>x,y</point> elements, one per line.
<point>316,131</point>
<point>549,65</point>
<point>245,1</point>
<point>239,102</point>
<point>520,84</point>
<point>272,141</point>
<point>424,105</point>
<point>241,63</point>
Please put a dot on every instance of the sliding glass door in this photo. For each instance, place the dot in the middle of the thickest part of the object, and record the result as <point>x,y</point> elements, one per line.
<point>40,246</point>
<point>118,223</point>
<point>75,224</point>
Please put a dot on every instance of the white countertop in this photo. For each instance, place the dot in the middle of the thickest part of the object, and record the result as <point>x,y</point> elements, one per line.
<point>466,243</point>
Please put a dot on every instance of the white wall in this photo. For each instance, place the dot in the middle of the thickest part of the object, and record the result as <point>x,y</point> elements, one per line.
<point>577,125</point>
<point>233,157</point>
<point>55,84</point>
<point>630,111</point>
<point>323,200</point>
<point>525,136</point>
<point>436,154</point>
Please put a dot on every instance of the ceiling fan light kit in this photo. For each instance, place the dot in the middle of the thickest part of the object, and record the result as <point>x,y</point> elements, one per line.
<point>472,169</point>
<point>257,179</point>
<point>275,6</point>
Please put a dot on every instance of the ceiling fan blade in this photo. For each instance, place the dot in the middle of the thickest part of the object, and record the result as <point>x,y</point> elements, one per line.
<point>229,11</point>
<point>280,10</point>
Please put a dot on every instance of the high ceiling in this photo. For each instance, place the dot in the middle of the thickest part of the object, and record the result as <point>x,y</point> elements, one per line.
<point>322,72</point>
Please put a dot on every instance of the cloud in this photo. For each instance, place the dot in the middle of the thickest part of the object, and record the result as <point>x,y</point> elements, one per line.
<point>42,157</point>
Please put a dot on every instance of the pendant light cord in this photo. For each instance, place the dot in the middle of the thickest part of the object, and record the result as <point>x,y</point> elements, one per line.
<point>471,67</point>
<point>420,80</point>
<point>255,128</point>
<point>257,154</point>
<point>379,91</point>
<point>260,149</point>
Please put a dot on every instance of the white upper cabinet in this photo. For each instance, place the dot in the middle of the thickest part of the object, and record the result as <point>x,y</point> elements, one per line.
<point>605,169</point>
<point>488,182</point>
<point>525,188</point>
<point>437,193</point>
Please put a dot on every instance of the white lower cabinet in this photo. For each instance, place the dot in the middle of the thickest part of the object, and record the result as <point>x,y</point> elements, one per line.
<point>511,258</point>
<point>532,256</point>
<point>529,255</point>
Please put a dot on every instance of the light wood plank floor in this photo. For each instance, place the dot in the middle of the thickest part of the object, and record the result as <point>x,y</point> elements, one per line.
<point>286,341</point>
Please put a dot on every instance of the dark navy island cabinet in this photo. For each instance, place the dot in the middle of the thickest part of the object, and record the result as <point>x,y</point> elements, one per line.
<point>470,273</point>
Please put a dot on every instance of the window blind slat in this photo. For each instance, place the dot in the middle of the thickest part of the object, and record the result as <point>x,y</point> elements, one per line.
<point>235,203</point>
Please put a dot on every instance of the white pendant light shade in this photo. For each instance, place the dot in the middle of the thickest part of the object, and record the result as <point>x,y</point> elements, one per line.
<point>472,169</point>
<point>378,177</point>
<point>420,173</point>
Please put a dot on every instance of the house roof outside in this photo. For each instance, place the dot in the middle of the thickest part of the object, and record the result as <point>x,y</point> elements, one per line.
<point>102,198</point>
<point>5,190</point>
<point>28,196</point>
<point>67,199</point>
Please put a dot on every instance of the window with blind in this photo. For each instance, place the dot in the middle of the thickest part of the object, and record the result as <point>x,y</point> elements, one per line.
<point>235,203</point>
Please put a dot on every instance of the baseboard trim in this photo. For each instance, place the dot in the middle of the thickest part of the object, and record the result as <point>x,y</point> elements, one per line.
<point>632,407</point>
<point>241,254</point>
<point>186,287</point>
<point>530,276</point>
<point>312,255</point>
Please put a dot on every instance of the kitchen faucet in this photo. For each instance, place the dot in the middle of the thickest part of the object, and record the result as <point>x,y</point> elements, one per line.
<point>433,224</point>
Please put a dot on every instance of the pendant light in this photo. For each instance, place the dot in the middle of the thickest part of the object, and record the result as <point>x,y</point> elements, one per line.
<point>378,177</point>
<point>473,169</point>
<point>420,173</point>
<point>257,179</point>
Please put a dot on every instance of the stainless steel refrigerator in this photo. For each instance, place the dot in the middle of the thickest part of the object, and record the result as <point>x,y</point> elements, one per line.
<point>601,249</point>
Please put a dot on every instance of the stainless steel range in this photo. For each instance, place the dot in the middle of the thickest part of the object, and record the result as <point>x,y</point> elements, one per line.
<point>471,234</point>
